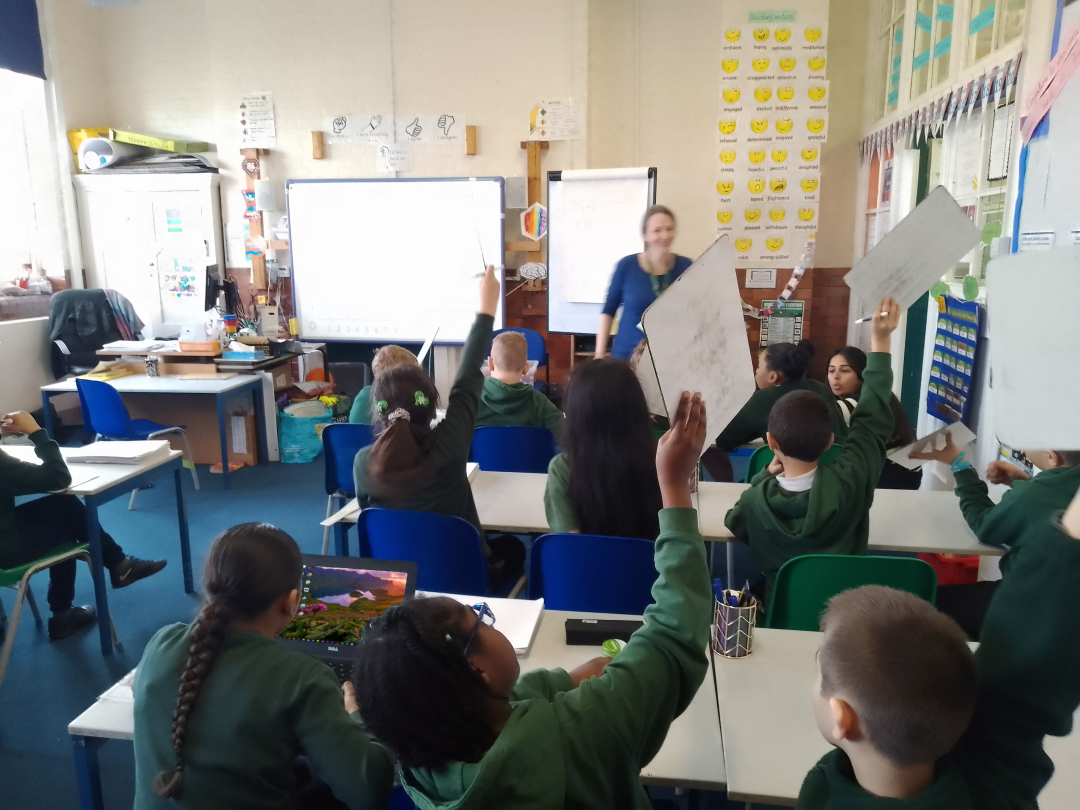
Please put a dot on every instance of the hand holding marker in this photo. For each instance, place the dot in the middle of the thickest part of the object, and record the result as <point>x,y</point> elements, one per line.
<point>869,318</point>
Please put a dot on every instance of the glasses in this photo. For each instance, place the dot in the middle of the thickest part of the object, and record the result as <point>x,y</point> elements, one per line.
<point>484,615</point>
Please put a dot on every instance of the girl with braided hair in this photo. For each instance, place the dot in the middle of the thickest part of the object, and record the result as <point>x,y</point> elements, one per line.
<point>222,709</point>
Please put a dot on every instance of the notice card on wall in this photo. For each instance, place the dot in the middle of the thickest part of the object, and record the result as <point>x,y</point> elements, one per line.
<point>256,119</point>
<point>555,120</point>
<point>393,157</point>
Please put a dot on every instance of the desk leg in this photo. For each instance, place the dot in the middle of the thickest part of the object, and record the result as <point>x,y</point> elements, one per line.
<point>97,569</point>
<point>341,537</point>
<point>87,774</point>
<point>224,441</point>
<point>260,422</point>
<point>185,542</point>
<point>47,415</point>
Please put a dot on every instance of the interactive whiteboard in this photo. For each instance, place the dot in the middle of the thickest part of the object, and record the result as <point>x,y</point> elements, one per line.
<point>594,219</point>
<point>392,260</point>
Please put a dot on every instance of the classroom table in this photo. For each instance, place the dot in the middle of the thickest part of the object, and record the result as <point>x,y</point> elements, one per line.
<point>222,389</point>
<point>771,739</point>
<point>691,756</point>
<point>97,484</point>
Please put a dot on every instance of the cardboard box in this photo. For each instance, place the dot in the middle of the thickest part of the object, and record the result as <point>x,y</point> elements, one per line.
<point>284,376</point>
<point>198,414</point>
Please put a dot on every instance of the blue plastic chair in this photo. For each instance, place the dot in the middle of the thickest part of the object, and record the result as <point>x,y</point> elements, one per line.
<point>513,448</point>
<point>341,442</point>
<point>448,551</point>
<point>593,573</point>
<point>105,414</point>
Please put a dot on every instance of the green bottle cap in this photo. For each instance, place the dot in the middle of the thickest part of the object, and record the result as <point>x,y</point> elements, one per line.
<point>612,647</point>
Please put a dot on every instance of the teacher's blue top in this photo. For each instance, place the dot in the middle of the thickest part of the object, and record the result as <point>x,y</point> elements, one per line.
<point>632,288</point>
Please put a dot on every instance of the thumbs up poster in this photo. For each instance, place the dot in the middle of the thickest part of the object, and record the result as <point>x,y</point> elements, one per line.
<point>772,125</point>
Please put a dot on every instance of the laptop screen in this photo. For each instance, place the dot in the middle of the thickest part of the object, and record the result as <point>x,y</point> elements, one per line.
<point>340,595</point>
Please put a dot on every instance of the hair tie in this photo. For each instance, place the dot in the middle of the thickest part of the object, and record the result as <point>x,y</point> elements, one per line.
<point>448,637</point>
<point>382,406</point>
<point>400,413</point>
<point>421,400</point>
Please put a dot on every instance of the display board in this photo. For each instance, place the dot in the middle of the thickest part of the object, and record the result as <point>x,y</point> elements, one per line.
<point>948,393</point>
<point>594,219</point>
<point>391,260</point>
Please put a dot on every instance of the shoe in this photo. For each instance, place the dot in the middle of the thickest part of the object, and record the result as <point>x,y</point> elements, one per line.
<point>67,622</point>
<point>131,570</point>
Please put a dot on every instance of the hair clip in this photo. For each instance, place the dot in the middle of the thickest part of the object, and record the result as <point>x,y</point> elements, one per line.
<point>421,400</point>
<point>448,637</point>
<point>382,406</point>
<point>400,413</point>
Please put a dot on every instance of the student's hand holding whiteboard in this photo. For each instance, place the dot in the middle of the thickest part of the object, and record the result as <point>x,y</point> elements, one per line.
<point>943,445</point>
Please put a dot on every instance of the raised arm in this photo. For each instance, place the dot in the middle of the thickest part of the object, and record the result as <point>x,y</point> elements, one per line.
<point>23,478</point>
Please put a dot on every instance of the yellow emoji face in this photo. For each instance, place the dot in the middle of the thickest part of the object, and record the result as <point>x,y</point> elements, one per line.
<point>760,65</point>
<point>809,153</point>
<point>723,216</point>
<point>816,63</point>
<point>761,34</point>
<point>815,124</point>
<point>809,184</point>
<point>774,244</point>
<point>779,155</point>
<point>782,34</point>
<point>787,64</point>
<point>743,245</point>
<point>725,187</point>
<point>777,214</point>
<point>778,185</point>
<point>806,214</point>
<point>727,156</point>
<point>786,93</point>
<point>783,125</point>
<point>731,65</point>
<point>733,34</point>
<point>756,186</point>
<point>727,127</point>
<point>816,93</point>
<point>731,95</point>
<point>752,214</point>
<point>756,156</point>
<point>812,34</point>
<point>763,94</point>
<point>759,124</point>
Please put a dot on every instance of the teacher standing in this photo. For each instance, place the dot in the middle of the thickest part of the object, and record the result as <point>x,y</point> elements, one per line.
<point>640,279</point>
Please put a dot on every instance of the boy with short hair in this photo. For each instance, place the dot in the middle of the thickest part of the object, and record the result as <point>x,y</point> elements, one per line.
<point>386,358</point>
<point>794,507</point>
<point>505,399</point>
<point>920,722</point>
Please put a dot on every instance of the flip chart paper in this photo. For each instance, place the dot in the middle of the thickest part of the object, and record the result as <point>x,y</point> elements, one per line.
<point>961,435</point>
<point>697,338</point>
<point>916,253</point>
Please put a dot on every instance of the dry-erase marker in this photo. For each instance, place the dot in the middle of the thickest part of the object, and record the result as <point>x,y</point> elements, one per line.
<point>871,317</point>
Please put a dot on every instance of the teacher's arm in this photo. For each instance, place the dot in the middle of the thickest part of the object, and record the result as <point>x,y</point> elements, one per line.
<point>607,314</point>
<point>602,336</point>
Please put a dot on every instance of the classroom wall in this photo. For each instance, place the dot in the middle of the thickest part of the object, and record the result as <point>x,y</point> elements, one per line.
<point>24,363</point>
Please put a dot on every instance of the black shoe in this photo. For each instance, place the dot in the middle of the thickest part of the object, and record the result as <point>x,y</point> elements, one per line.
<point>131,570</point>
<point>67,622</point>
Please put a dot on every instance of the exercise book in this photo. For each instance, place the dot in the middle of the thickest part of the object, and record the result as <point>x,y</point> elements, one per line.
<point>517,619</point>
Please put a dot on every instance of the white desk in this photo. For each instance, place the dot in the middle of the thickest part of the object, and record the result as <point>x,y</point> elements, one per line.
<point>222,390</point>
<point>102,483</point>
<point>771,740</point>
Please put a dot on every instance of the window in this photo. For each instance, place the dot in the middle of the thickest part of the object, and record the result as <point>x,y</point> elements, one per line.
<point>933,45</point>
<point>991,24</point>
<point>890,43</point>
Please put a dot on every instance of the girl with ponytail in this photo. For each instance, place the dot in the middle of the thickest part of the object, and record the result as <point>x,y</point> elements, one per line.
<point>421,468</point>
<point>222,709</point>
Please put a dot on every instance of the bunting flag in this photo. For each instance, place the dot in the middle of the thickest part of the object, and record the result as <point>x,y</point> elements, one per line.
<point>989,80</point>
<point>999,82</point>
<point>951,112</point>
<point>924,117</point>
<point>1010,78</point>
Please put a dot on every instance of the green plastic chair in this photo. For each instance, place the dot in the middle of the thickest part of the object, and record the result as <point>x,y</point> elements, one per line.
<point>804,585</point>
<point>18,578</point>
<point>763,455</point>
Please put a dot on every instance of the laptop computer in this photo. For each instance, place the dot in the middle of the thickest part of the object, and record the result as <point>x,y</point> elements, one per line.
<point>339,596</point>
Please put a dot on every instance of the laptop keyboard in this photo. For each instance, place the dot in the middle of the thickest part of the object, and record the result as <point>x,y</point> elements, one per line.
<point>343,669</point>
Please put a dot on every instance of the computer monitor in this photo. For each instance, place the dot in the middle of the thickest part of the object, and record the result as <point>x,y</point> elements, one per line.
<point>213,288</point>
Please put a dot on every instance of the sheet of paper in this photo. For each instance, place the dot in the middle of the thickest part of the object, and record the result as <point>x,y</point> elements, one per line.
<point>961,436</point>
<point>394,158</point>
<point>1053,81</point>
<point>555,120</point>
<point>121,690</point>
<point>346,514</point>
<point>926,244</point>
<point>966,172</point>
<point>517,619</point>
<point>359,128</point>
<point>697,337</point>
<point>646,375</point>
<point>1000,142</point>
<point>440,127</point>
<point>255,117</point>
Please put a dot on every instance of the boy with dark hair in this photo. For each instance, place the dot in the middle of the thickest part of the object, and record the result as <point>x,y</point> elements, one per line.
<point>505,399</point>
<point>794,507</point>
<point>920,722</point>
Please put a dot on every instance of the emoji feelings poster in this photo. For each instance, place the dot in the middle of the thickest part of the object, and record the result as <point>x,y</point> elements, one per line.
<point>772,125</point>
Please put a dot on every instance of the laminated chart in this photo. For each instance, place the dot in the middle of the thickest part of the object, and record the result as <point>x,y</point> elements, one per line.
<point>772,125</point>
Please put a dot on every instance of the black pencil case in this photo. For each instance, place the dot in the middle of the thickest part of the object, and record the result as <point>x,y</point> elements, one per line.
<point>594,632</point>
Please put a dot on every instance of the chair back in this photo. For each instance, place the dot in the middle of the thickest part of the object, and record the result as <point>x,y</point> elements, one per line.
<point>103,410</point>
<point>763,456</point>
<point>593,573</point>
<point>448,551</point>
<point>537,346</point>
<point>804,585</point>
<point>341,442</point>
<point>513,449</point>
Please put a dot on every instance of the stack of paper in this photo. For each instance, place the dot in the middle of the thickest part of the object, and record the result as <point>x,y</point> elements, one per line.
<point>134,345</point>
<point>517,619</point>
<point>116,452</point>
<point>121,690</point>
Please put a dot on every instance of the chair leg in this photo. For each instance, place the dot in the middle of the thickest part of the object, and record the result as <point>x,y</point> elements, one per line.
<point>33,607</point>
<point>330,500</point>
<point>517,588</point>
<point>187,448</point>
<point>9,642</point>
<point>131,503</point>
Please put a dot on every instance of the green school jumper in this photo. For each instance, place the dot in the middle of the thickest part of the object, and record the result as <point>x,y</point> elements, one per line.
<point>833,516</point>
<point>1028,688</point>
<point>260,707</point>
<point>360,412</point>
<point>561,516</point>
<point>585,747</point>
<point>23,478</point>
<point>1026,503</point>
<point>518,404</point>
<point>447,492</point>
<point>752,422</point>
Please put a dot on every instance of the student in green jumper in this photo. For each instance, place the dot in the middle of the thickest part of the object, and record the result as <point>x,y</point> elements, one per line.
<point>919,723</point>
<point>505,399</point>
<point>421,468</point>
<point>781,369</point>
<point>442,688</point>
<point>223,709</point>
<point>604,482</point>
<point>385,358</point>
<point>795,507</point>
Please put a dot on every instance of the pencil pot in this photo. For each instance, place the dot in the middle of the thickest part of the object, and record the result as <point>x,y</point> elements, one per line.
<point>152,365</point>
<point>733,627</point>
